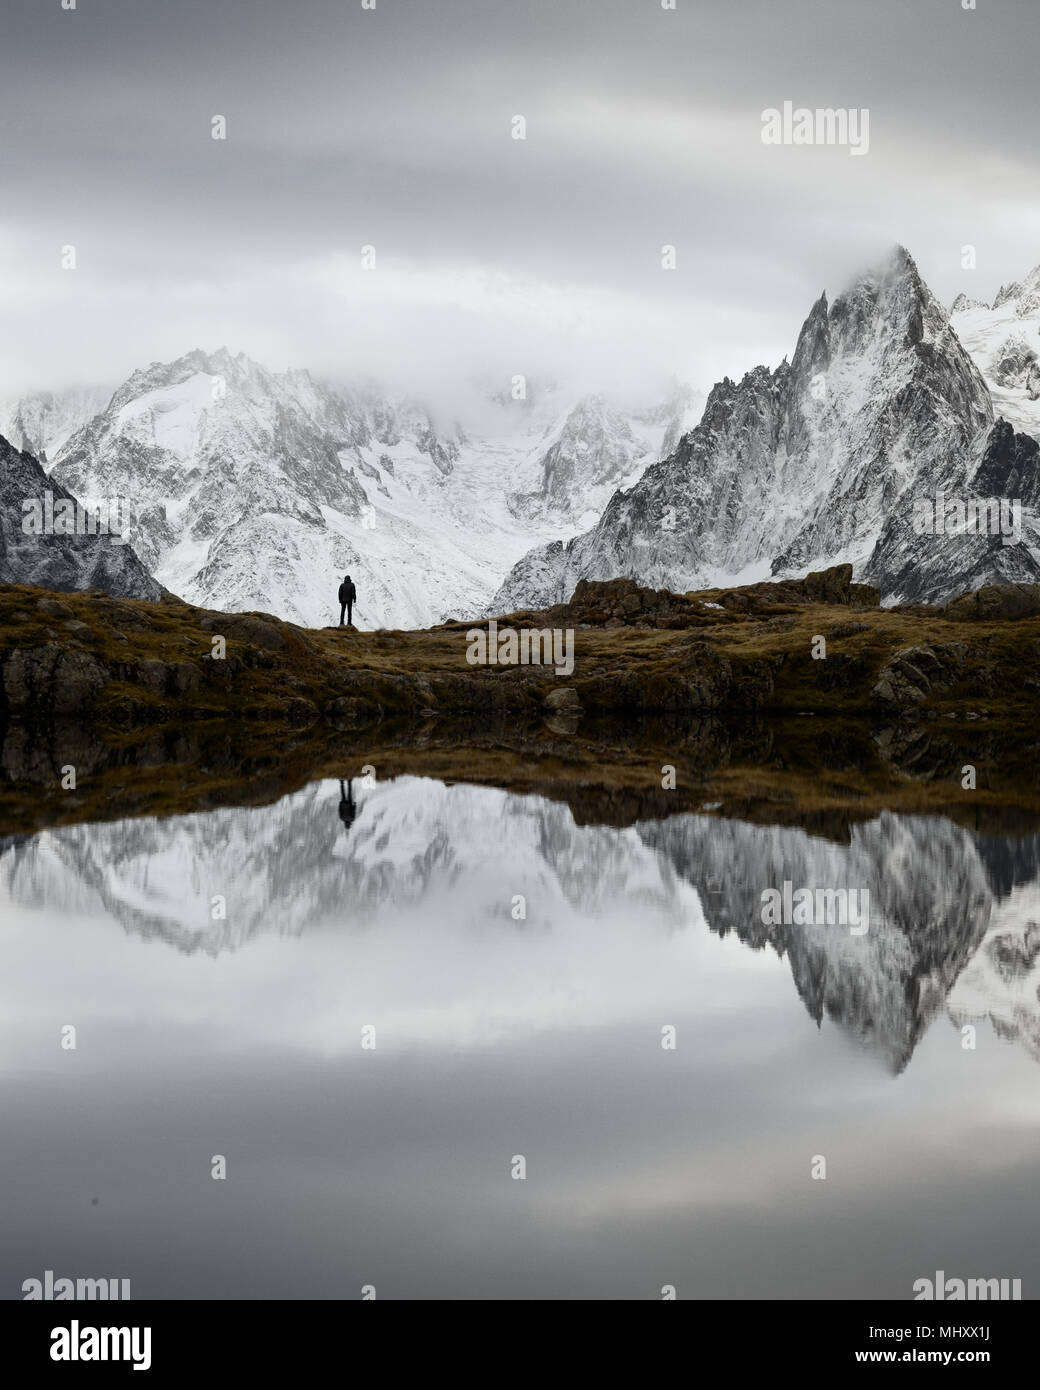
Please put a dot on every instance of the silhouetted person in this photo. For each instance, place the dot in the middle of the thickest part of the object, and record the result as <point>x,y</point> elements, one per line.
<point>347,595</point>
<point>347,809</point>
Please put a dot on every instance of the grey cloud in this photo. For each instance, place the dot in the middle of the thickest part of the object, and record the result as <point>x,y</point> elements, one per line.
<point>391,127</point>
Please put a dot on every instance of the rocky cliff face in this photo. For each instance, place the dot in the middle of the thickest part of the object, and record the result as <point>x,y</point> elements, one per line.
<point>819,462</point>
<point>916,568</point>
<point>58,561</point>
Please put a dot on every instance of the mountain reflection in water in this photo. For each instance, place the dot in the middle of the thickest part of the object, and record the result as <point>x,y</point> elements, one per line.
<point>519,973</point>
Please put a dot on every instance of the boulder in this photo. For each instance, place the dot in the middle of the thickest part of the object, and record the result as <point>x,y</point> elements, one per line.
<point>169,677</point>
<point>832,585</point>
<point>995,602</point>
<point>51,680</point>
<point>563,698</point>
<point>911,675</point>
<point>54,608</point>
<point>257,630</point>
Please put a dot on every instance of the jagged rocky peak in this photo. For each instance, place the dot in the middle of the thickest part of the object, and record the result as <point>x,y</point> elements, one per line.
<point>390,421</point>
<point>728,399</point>
<point>235,371</point>
<point>800,467</point>
<point>893,296</point>
<point>157,375</point>
<point>885,310</point>
<point>1006,292</point>
<point>964,302</point>
<point>1022,295</point>
<point>745,415</point>
<point>592,432</point>
<point>812,353</point>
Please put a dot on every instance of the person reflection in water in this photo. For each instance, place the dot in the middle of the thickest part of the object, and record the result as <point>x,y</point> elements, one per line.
<point>347,809</point>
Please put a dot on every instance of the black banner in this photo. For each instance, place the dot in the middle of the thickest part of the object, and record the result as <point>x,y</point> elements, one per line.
<point>166,1339</point>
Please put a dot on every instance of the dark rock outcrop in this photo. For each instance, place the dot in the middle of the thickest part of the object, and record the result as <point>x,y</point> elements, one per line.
<point>995,602</point>
<point>63,562</point>
<point>624,603</point>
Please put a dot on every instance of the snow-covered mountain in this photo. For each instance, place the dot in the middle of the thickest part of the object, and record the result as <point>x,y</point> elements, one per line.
<point>818,462</point>
<point>259,490</point>
<point>65,562</point>
<point>254,489</point>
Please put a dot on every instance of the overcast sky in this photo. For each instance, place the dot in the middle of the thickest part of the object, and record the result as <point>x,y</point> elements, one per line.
<point>392,128</point>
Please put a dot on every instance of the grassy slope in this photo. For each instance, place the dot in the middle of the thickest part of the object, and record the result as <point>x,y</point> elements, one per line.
<point>615,669</point>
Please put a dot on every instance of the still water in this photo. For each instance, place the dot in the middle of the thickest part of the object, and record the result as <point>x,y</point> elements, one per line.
<point>518,975</point>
